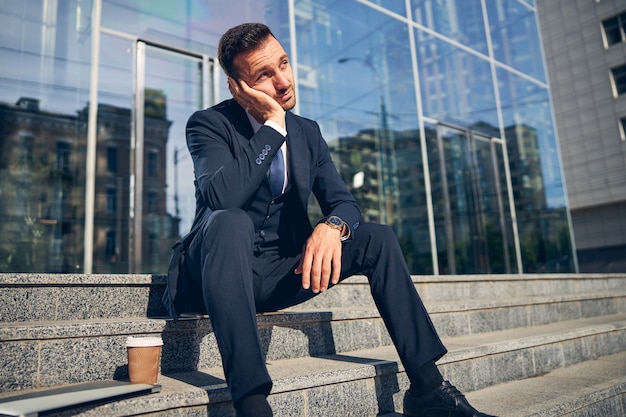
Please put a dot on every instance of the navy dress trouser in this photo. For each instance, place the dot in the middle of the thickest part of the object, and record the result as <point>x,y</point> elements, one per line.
<point>238,279</point>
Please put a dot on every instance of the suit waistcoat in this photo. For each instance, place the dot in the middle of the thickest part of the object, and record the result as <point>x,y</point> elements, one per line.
<point>271,215</point>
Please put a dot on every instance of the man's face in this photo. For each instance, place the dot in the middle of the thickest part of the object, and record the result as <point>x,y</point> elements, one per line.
<point>267,69</point>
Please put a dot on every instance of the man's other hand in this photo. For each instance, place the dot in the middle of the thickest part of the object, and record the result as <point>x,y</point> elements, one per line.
<point>321,259</point>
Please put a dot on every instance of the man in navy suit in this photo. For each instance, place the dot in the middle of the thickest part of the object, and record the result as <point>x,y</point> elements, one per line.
<point>252,247</point>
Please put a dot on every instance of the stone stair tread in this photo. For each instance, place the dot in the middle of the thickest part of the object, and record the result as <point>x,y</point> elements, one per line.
<point>298,314</point>
<point>560,391</point>
<point>556,393</point>
<point>547,332</point>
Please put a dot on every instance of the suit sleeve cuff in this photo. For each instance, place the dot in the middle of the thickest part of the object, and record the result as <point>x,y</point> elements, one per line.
<point>276,127</point>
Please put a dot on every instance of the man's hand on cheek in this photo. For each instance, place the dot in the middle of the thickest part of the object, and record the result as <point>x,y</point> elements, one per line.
<point>260,105</point>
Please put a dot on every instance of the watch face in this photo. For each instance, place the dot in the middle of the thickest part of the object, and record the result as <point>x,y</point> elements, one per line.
<point>335,221</point>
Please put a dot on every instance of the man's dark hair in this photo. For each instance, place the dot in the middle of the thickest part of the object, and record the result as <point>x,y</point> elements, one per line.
<point>242,38</point>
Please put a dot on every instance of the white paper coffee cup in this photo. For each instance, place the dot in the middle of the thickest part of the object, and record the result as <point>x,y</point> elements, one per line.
<point>144,358</point>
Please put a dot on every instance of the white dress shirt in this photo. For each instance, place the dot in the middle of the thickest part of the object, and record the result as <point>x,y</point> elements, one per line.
<point>256,126</point>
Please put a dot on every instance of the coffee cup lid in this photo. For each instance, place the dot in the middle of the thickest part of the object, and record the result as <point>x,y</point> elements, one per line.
<point>143,341</point>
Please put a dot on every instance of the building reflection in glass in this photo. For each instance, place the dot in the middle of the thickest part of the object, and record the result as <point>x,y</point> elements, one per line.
<point>437,116</point>
<point>470,196</point>
<point>42,178</point>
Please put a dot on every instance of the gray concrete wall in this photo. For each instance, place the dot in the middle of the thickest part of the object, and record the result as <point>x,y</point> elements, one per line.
<point>587,114</point>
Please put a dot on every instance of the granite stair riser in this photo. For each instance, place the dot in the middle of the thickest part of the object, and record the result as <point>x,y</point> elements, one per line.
<point>26,298</point>
<point>31,303</point>
<point>347,329</point>
<point>120,303</point>
<point>433,290</point>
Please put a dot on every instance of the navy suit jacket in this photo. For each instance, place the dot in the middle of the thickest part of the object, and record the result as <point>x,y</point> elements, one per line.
<point>230,167</point>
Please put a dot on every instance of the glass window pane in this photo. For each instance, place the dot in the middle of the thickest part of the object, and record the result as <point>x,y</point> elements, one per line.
<point>515,37</point>
<point>111,199</point>
<point>44,93</point>
<point>195,24</point>
<point>461,20</point>
<point>456,86</point>
<point>357,81</point>
<point>111,225</point>
<point>112,160</point>
<point>173,83</point>
<point>612,31</point>
<point>153,164</point>
<point>111,248</point>
<point>396,6</point>
<point>538,188</point>
<point>619,79</point>
<point>63,157</point>
<point>507,219</point>
<point>472,220</point>
<point>490,216</point>
<point>453,199</point>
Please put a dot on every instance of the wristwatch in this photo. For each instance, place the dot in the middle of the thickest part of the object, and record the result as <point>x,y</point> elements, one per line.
<point>334,222</point>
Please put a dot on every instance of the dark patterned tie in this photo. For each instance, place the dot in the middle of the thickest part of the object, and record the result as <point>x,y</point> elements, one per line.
<point>276,174</point>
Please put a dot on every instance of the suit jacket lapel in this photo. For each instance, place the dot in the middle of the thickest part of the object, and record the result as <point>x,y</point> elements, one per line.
<point>240,120</point>
<point>299,158</point>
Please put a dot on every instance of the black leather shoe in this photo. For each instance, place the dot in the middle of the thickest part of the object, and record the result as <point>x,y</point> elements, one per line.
<point>443,401</point>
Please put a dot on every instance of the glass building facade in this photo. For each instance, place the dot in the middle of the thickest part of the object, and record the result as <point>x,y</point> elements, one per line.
<point>437,113</point>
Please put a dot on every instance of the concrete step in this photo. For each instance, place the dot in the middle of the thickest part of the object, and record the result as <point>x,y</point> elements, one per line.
<point>330,356</point>
<point>51,297</point>
<point>283,335</point>
<point>591,388</point>
<point>508,373</point>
